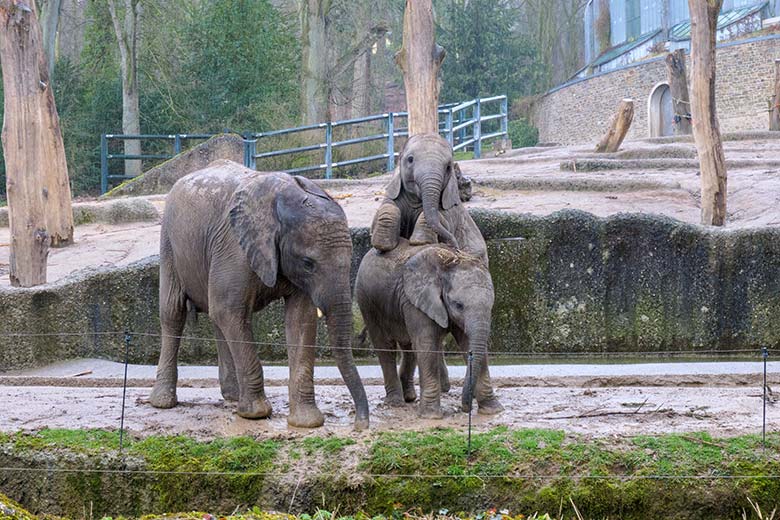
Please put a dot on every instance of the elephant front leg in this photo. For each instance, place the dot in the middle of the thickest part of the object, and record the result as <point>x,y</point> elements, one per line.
<point>386,227</point>
<point>300,317</point>
<point>426,344</point>
<point>228,381</point>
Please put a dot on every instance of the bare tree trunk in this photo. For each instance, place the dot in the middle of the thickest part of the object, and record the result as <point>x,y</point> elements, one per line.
<point>618,127</point>
<point>678,87</point>
<point>50,20</point>
<point>420,60</point>
<point>26,103</point>
<point>706,132</point>
<point>314,77</point>
<point>774,110</point>
<point>125,20</point>
<point>361,80</point>
<point>70,36</point>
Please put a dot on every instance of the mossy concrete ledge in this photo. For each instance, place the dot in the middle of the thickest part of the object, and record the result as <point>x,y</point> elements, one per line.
<point>572,282</point>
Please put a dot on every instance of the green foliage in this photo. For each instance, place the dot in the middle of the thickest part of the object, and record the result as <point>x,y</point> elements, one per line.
<point>522,133</point>
<point>486,54</point>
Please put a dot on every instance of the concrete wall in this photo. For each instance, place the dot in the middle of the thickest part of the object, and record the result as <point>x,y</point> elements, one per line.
<point>579,112</point>
<point>574,283</point>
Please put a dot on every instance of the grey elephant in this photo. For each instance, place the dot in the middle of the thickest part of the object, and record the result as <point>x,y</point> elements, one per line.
<point>232,241</point>
<point>423,196</point>
<point>412,297</point>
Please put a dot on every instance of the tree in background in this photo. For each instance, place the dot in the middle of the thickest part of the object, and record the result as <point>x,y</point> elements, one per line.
<point>486,54</point>
<point>50,19</point>
<point>125,16</point>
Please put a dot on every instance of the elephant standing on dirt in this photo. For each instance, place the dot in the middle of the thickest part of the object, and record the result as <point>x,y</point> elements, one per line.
<point>413,296</point>
<point>233,240</point>
<point>423,201</point>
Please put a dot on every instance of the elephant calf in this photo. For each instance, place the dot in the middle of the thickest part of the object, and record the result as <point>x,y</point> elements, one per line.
<point>232,241</point>
<point>413,296</point>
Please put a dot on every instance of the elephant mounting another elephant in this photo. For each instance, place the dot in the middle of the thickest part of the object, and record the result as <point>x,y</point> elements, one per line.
<point>232,241</point>
<point>411,295</point>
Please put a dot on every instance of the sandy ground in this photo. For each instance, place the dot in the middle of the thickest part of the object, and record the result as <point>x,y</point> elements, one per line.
<point>521,181</point>
<point>594,412</point>
<point>722,398</point>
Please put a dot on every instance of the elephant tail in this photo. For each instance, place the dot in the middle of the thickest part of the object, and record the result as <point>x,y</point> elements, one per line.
<point>192,312</point>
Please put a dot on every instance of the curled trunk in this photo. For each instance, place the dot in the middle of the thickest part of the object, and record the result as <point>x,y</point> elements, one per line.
<point>340,334</point>
<point>431,195</point>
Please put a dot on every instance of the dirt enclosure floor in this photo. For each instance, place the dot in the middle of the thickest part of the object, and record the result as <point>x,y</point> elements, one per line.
<point>646,176</point>
<point>723,399</point>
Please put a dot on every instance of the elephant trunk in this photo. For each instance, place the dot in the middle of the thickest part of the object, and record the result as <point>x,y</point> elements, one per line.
<point>340,333</point>
<point>431,195</point>
<point>478,335</point>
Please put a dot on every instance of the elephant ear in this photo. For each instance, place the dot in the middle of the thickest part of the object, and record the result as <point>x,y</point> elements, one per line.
<point>450,196</point>
<point>393,189</point>
<point>254,221</point>
<point>311,187</point>
<point>423,285</point>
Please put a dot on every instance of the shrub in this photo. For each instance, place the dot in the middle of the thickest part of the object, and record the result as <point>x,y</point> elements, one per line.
<point>522,133</point>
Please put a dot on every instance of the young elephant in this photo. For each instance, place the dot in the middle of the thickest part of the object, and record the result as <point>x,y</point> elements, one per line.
<point>423,194</point>
<point>413,296</point>
<point>232,241</point>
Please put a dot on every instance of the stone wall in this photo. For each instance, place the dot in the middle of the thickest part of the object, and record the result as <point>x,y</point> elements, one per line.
<point>578,112</point>
<point>573,283</point>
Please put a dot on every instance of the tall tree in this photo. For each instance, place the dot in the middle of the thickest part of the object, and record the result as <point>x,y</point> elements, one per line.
<point>50,20</point>
<point>125,16</point>
<point>314,49</point>
<point>706,132</point>
<point>420,59</point>
<point>37,176</point>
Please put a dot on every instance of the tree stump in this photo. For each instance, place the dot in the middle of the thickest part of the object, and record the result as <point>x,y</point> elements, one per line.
<point>25,82</point>
<point>618,127</point>
<point>774,109</point>
<point>420,60</point>
<point>678,88</point>
<point>706,132</point>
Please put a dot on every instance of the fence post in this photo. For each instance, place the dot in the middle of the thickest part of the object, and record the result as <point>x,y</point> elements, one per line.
<point>328,150</point>
<point>462,131</point>
<point>390,142</point>
<point>450,136</point>
<point>478,129</point>
<point>250,149</point>
<point>176,144</point>
<point>505,113</point>
<point>103,163</point>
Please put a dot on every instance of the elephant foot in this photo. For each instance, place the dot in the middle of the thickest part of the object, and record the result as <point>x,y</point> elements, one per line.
<point>163,395</point>
<point>230,393</point>
<point>410,395</point>
<point>305,416</point>
<point>395,399</point>
<point>490,407</point>
<point>258,408</point>
<point>430,412</point>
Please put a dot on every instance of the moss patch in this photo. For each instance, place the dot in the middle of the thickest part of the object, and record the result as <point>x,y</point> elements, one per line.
<point>521,470</point>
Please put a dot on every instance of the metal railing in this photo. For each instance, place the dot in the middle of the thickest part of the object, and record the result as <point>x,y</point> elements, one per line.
<point>461,124</point>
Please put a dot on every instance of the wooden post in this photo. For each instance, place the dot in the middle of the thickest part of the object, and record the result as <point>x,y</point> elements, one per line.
<point>420,59</point>
<point>706,132</point>
<point>774,110</point>
<point>25,80</point>
<point>618,127</point>
<point>678,88</point>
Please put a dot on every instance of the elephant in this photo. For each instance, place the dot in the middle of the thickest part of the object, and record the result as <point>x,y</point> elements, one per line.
<point>412,297</point>
<point>232,241</point>
<point>423,195</point>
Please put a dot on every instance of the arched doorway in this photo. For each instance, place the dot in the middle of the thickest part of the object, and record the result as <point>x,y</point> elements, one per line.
<point>660,111</point>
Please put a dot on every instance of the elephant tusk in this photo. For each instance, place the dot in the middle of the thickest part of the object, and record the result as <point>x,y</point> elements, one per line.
<point>319,313</point>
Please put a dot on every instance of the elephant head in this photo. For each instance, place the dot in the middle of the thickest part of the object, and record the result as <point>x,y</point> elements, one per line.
<point>289,227</point>
<point>454,290</point>
<point>426,171</point>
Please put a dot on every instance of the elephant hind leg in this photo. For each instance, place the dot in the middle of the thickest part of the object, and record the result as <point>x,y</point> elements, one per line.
<point>228,381</point>
<point>385,349</point>
<point>173,315</point>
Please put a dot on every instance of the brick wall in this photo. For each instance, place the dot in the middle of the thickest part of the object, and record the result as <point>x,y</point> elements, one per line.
<point>578,112</point>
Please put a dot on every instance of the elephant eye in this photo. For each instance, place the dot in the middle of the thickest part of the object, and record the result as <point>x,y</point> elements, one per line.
<point>308,263</point>
<point>458,306</point>
<point>410,159</point>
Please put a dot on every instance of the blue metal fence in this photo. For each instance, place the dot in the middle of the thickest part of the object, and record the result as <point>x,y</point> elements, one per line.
<point>461,124</point>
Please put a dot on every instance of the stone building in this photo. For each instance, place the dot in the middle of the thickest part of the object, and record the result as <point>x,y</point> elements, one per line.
<point>625,44</point>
